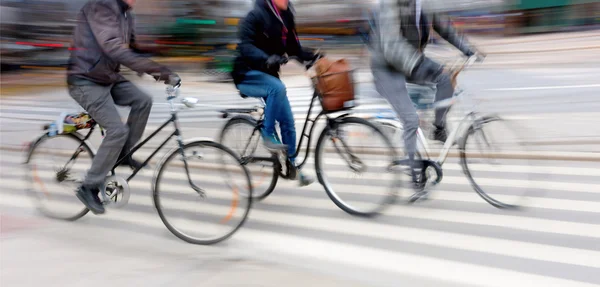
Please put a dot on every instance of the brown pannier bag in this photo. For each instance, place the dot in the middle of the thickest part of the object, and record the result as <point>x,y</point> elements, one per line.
<point>335,85</point>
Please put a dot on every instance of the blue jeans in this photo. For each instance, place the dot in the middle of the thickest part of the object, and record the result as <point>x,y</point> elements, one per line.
<point>261,85</point>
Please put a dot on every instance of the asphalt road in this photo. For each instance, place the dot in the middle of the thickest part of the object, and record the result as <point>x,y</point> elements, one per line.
<point>454,239</point>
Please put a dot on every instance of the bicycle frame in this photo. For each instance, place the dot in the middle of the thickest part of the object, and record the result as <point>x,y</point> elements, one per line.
<point>176,133</point>
<point>308,119</point>
<point>469,117</point>
<point>310,133</point>
<point>452,138</point>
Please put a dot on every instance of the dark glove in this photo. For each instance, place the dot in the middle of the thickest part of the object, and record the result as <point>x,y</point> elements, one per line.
<point>427,71</point>
<point>167,76</point>
<point>173,80</point>
<point>162,75</point>
<point>274,62</point>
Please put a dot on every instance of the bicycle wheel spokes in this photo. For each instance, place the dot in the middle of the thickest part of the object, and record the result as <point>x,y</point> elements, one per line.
<point>353,165</point>
<point>54,173</point>
<point>497,162</point>
<point>225,185</point>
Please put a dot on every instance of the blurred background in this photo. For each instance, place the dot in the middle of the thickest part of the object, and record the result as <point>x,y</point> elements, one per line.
<point>542,72</point>
<point>36,33</point>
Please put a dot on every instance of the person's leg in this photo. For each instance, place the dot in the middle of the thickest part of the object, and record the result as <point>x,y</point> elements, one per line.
<point>284,116</point>
<point>97,101</point>
<point>391,85</point>
<point>127,94</point>
<point>259,84</point>
<point>445,90</point>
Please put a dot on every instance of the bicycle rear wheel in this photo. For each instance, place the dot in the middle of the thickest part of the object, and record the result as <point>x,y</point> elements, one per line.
<point>353,160</point>
<point>496,162</point>
<point>214,169</point>
<point>240,135</point>
<point>56,166</point>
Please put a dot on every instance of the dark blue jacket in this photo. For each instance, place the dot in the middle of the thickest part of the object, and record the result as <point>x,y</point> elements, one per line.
<point>261,35</point>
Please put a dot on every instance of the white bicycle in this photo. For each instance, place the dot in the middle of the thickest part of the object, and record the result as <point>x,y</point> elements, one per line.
<point>487,145</point>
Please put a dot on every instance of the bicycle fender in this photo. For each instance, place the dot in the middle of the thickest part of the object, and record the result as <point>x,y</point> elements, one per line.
<point>246,117</point>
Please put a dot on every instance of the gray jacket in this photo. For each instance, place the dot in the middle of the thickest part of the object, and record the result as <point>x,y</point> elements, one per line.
<point>397,42</point>
<point>102,40</point>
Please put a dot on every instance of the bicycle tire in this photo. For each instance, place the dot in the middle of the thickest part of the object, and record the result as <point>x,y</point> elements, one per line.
<point>31,179</point>
<point>156,187</point>
<point>468,170</point>
<point>390,196</point>
<point>258,193</point>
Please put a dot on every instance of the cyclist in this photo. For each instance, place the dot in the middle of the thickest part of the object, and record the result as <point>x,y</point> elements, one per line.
<point>401,32</point>
<point>266,34</point>
<point>102,40</point>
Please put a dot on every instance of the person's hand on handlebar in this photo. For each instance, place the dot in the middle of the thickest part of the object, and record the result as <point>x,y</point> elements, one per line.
<point>173,80</point>
<point>167,76</point>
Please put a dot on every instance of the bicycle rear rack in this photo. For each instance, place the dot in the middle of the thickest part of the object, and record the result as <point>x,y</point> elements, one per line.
<point>227,112</point>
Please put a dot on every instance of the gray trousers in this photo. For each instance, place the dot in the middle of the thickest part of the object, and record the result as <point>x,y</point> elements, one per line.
<point>99,101</point>
<point>391,85</point>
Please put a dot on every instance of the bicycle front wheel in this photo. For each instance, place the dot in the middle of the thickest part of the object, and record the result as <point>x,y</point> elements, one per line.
<point>496,162</point>
<point>353,160</point>
<point>56,166</point>
<point>202,193</point>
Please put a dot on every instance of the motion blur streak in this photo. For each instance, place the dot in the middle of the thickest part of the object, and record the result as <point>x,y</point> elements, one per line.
<point>541,73</point>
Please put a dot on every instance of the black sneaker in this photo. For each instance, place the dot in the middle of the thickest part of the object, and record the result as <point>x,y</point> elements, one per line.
<point>90,199</point>
<point>291,169</point>
<point>419,196</point>
<point>440,134</point>
<point>96,194</point>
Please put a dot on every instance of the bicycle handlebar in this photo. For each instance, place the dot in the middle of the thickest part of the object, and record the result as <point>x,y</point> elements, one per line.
<point>307,64</point>
<point>460,65</point>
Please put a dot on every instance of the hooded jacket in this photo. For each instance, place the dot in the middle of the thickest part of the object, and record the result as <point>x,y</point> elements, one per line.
<point>262,34</point>
<point>103,40</point>
<point>399,42</point>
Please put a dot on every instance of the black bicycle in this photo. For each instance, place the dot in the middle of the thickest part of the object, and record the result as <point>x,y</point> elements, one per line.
<point>201,191</point>
<point>352,155</point>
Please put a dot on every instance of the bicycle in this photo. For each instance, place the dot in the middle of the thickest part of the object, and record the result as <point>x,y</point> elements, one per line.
<point>197,159</point>
<point>479,137</point>
<point>242,133</point>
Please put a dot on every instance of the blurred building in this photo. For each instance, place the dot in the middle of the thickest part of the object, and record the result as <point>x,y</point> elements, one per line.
<point>533,16</point>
